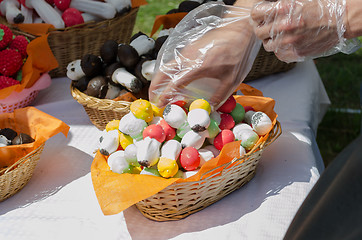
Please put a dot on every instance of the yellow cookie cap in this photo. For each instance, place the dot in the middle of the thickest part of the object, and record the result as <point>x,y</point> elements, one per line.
<point>157,111</point>
<point>112,125</point>
<point>125,140</point>
<point>167,167</point>
<point>200,103</point>
<point>142,109</point>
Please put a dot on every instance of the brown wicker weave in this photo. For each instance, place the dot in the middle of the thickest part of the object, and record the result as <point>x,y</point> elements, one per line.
<point>266,63</point>
<point>100,111</point>
<point>16,176</point>
<point>72,43</point>
<point>179,200</point>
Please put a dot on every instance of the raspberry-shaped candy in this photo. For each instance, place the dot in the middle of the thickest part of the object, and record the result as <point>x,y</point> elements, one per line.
<point>10,62</point>
<point>7,82</point>
<point>6,35</point>
<point>20,43</point>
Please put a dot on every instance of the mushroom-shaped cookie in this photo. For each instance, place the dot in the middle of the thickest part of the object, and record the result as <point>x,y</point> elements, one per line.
<point>101,9</point>
<point>11,10</point>
<point>148,152</point>
<point>45,11</point>
<point>127,80</point>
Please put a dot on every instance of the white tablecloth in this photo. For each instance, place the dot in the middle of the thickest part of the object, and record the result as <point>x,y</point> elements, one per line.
<point>59,201</point>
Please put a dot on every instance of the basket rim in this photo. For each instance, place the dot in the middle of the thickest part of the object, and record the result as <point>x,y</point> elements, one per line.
<point>94,102</point>
<point>20,161</point>
<point>90,24</point>
<point>164,213</point>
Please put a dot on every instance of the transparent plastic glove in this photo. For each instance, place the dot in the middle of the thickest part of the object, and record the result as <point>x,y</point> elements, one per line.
<point>208,54</point>
<point>298,29</point>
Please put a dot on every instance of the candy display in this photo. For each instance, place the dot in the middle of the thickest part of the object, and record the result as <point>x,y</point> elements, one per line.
<point>180,141</point>
<point>117,69</point>
<point>9,137</point>
<point>61,13</point>
<point>12,57</point>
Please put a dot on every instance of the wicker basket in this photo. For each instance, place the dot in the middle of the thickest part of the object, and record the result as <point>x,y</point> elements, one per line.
<point>100,111</point>
<point>73,42</point>
<point>266,63</point>
<point>179,200</point>
<point>16,176</point>
<point>5,108</point>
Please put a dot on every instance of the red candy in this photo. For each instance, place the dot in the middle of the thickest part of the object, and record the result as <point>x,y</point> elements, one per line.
<point>72,17</point>
<point>170,132</point>
<point>190,158</point>
<point>249,108</point>
<point>224,137</point>
<point>228,106</point>
<point>227,121</point>
<point>154,131</point>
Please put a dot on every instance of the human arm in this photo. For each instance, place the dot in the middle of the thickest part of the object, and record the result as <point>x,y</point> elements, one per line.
<point>353,19</point>
<point>207,60</point>
<point>298,29</point>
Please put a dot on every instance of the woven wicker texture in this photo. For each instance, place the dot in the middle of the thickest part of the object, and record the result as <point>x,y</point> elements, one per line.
<point>266,63</point>
<point>5,108</point>
<point>73,42</point>
<point>100,111</point>
<point>15,177</point>
<point>179,200</point>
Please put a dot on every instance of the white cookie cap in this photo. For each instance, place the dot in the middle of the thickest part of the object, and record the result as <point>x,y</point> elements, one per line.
<point>261,123</point>
<point>74,70</point>
<point>198,119</point>
<point>117,162</point>
<point>131,125</point>
<point>171,149</point>
<point>148,152</point>
<point>109,142</point>
<point>193,139</point>
<point>174,115</point>
<point>143,44</point>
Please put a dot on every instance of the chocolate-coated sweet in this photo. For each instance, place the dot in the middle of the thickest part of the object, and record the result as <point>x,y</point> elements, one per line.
<point>81,84</point>
<point>91,65</point>
<point>128,56</point>
<point>187,6</point>
<point>22,138</point>
<point>97,87</point>
<point>9,133</point>
<point>109,70</point>
<point>158,44</point>
<point>108,51</point>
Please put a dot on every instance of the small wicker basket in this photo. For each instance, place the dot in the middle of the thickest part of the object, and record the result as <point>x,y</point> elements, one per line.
<point>72,43</point>
<point>5,108</point>
<point>100,111</point>
<point>16,176</point>
<point>180,200</point>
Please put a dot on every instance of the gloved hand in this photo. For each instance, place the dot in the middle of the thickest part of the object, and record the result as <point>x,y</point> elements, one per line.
<point>207,55</point>
<point>298,29</point>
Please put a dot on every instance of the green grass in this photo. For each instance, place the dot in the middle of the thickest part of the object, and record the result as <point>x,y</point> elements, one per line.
<point>340,73</point>
<point>147,13</point>
<point>342,77</point>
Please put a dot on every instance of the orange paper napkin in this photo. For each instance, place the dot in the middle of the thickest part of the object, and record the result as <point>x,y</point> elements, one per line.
<point>167,21</point>
<point>39,125</point>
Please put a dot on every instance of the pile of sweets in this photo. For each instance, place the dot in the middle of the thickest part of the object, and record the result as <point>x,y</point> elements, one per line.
<point>12,56</point>
<point>177,140</point>
<point>119,68</point>
<point>62,13</point>
<point>9,137</point>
